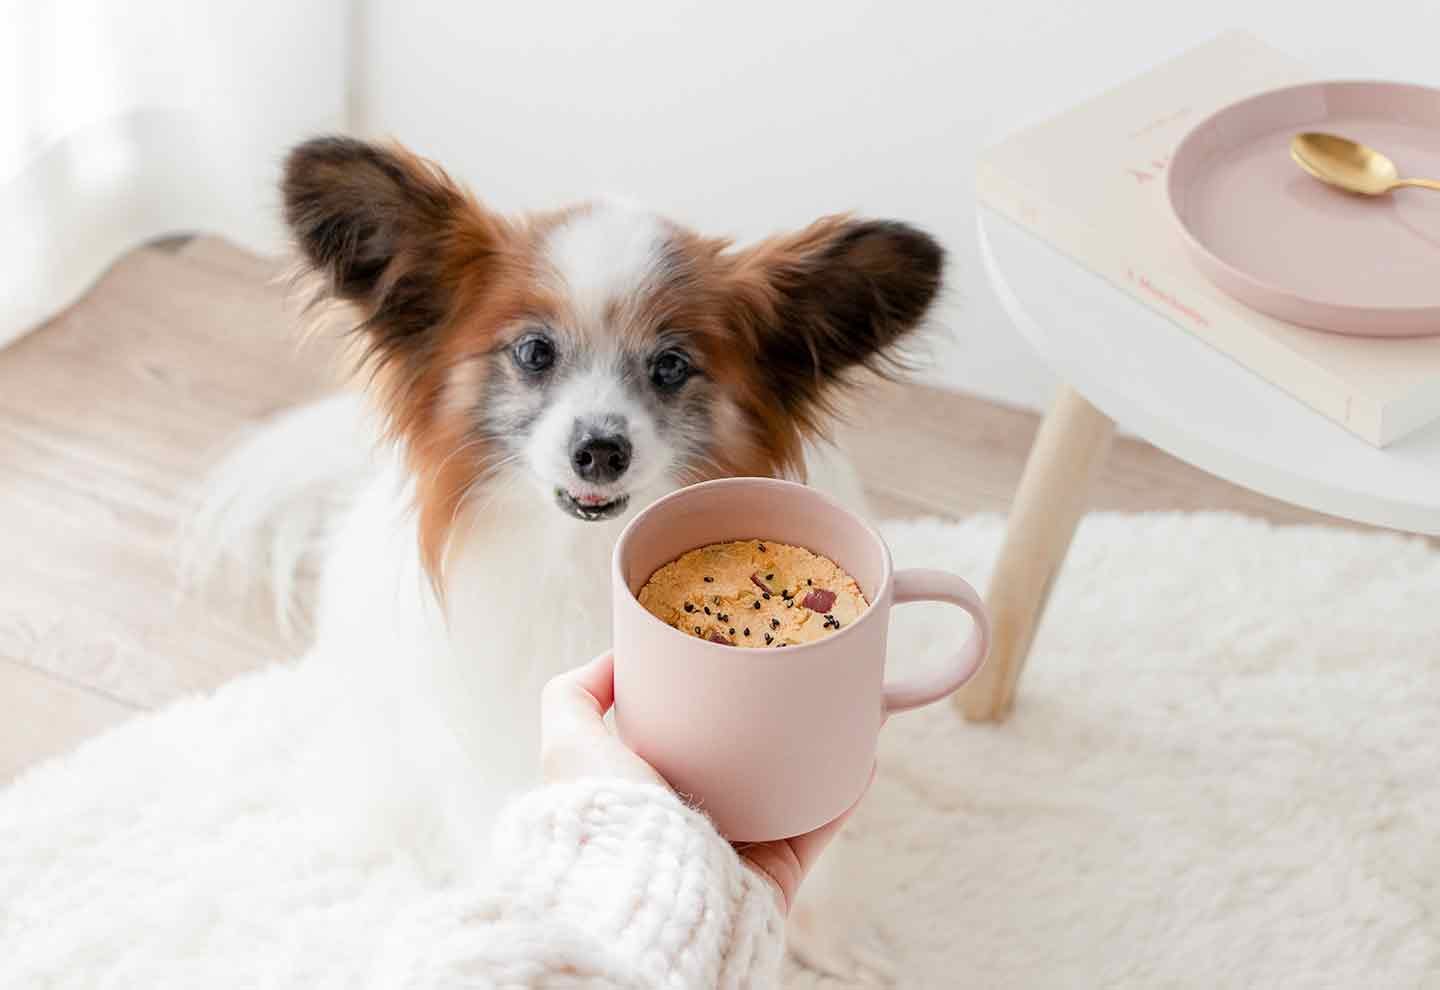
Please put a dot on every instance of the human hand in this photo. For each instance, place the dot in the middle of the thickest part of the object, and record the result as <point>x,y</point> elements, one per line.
<point>576,742</point>
<point>574,739</point>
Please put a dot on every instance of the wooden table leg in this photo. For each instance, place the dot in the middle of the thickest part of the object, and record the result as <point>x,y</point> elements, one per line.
<point>1054,492</point>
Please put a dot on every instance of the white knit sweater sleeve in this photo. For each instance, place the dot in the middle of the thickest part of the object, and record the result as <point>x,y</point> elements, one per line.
<point>606,884</point>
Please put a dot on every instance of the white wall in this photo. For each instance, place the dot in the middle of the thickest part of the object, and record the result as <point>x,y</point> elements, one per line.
<point>748,116</point>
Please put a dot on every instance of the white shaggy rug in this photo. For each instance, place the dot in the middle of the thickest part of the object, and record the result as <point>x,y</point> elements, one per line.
<point>1223,772</point>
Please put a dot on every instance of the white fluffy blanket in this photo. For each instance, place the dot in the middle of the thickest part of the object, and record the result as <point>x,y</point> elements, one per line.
<point>1222,772</point>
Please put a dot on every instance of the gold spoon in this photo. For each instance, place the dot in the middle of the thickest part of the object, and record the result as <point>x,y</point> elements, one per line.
<point>1350,165</point>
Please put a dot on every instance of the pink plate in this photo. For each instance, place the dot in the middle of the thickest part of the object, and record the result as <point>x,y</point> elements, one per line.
<point>1290,246</point>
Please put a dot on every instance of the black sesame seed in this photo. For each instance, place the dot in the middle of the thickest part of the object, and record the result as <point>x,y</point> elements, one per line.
<point>732,630</point>
<point>697,630</point>
<point>767,596</point>
<point>757,605</point>
<point>747,630</point>
<point>778,645</point>
<point>829,617</point>
<point>769,639</point>
<point>769,577</point>
<point>774,623</point>
<point>761,546</point>
<point>723,617</point>
<point>689,607</point>
<point>707,609</point>
<point>716,599</point>
<point>708,579</point>
<point>808,581</point>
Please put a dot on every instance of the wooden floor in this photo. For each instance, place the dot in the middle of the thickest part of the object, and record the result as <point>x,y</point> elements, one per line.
<point>110,412</point>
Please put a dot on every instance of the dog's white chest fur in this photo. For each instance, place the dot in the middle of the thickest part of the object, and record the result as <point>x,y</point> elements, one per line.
<point>527,595</point>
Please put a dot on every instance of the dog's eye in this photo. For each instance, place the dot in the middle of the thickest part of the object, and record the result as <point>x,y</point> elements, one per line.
<point>533,353</point>
<point>670,370</point>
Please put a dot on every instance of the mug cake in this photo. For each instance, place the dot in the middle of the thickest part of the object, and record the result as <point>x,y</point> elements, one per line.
<point>754,593</point>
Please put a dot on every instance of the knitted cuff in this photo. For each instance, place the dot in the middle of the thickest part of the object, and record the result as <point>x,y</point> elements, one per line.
<point>647,875</point>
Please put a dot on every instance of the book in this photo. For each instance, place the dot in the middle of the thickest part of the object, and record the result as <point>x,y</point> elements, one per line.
<point>1091,181</point>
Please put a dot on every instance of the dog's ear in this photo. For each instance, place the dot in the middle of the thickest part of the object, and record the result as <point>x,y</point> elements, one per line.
<point>386,231</point>
<point>835,297</point>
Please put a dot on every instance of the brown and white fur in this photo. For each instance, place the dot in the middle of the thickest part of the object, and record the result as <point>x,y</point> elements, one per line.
<point>534,382</point>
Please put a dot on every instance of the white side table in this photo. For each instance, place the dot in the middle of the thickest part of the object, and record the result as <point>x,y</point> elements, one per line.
<point>1121,362</point>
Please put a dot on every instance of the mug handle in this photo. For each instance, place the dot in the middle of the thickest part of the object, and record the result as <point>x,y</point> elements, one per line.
<point>920,585</point>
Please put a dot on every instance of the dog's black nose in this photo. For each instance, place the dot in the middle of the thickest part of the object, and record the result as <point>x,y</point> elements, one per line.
<point>600,458</point>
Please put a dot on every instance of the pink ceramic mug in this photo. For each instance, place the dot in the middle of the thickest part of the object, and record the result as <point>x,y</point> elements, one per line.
<point>770,743</point>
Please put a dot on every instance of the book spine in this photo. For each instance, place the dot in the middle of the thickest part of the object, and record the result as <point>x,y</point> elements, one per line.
<point>1405,416</point>
<point>1166,295</point>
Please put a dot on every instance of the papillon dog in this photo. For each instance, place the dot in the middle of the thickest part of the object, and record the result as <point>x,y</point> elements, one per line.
<point>529,383</point>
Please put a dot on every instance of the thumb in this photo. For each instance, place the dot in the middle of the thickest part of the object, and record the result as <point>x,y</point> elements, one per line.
<point>574,703</point>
